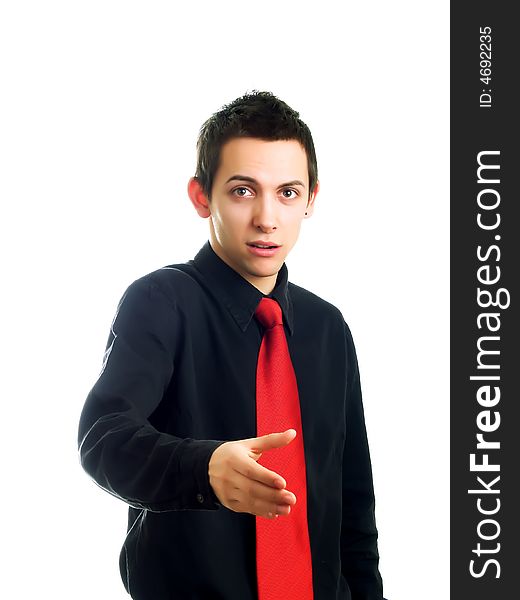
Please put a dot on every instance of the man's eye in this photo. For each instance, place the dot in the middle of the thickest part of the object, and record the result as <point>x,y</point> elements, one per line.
<point>240,191</point>
<point>289,193</point>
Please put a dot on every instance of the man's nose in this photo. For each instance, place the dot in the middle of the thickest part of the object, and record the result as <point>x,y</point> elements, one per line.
<point>265,213</point>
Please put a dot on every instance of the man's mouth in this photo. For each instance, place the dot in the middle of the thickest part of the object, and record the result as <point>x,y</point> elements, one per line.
<point>265,246</point>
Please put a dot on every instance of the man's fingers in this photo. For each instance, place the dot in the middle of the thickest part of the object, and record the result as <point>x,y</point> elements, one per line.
<point>259,492</point>
<point>267,511</point>
<point>252,470</point>
<point>259,499</point>
<point>257,445</point>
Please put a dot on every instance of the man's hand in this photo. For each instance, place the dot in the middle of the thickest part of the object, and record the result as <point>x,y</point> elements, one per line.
<point>242,485</point>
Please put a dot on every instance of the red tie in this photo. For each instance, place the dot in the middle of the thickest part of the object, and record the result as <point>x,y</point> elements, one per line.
<point>283,556</point>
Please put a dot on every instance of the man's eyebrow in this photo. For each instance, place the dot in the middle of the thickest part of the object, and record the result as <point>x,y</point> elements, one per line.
<point>294,182</point>
<point>241,178</point>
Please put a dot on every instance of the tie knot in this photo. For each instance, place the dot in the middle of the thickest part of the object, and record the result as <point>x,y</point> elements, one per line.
<point>269,313</point>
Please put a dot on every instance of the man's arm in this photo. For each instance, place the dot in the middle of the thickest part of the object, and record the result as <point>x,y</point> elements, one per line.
<point>128,457</point>
<point>119,448</point>
<point>359,554</point>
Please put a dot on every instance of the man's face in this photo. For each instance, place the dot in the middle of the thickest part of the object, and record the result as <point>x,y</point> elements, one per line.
<point>260,196</point>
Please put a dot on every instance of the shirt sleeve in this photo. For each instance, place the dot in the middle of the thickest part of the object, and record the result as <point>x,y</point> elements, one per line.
<point>359,553</point>
<point>118,446</point>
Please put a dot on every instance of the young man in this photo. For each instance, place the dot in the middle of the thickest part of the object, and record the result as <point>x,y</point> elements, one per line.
<point>228,414</point>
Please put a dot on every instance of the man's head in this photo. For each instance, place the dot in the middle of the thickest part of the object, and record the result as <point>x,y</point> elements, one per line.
<point>258,115</point>
<point>262,182</point>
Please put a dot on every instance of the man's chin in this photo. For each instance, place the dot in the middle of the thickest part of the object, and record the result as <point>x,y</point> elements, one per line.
<point>267,270</point>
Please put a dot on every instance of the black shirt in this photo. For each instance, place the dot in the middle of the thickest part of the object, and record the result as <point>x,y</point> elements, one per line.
<point>178,379</point>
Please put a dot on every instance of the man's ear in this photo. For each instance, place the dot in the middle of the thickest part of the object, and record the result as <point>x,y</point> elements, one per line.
<point>198,198</point>
<point>309,209</point>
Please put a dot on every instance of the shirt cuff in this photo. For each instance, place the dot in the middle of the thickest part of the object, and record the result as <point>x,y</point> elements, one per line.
<point>204,496</point>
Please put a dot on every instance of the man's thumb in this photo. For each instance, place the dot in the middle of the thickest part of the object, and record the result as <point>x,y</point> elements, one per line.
<point>273,440</point>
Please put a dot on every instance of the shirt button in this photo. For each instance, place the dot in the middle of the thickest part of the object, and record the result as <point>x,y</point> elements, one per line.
<point>200,498</point>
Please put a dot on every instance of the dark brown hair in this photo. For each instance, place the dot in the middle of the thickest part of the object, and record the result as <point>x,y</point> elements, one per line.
<point>257,115</point>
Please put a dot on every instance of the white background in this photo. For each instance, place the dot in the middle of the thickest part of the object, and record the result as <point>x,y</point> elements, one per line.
<point>101,104</point>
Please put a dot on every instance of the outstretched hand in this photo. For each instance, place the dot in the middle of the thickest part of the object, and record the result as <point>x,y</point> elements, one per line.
<point>243,485</point>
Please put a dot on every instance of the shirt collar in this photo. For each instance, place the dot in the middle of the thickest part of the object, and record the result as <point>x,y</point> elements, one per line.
<point>236,293</point>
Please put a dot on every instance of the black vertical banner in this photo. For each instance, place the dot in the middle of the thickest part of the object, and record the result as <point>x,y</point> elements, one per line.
<point>485,298</point>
